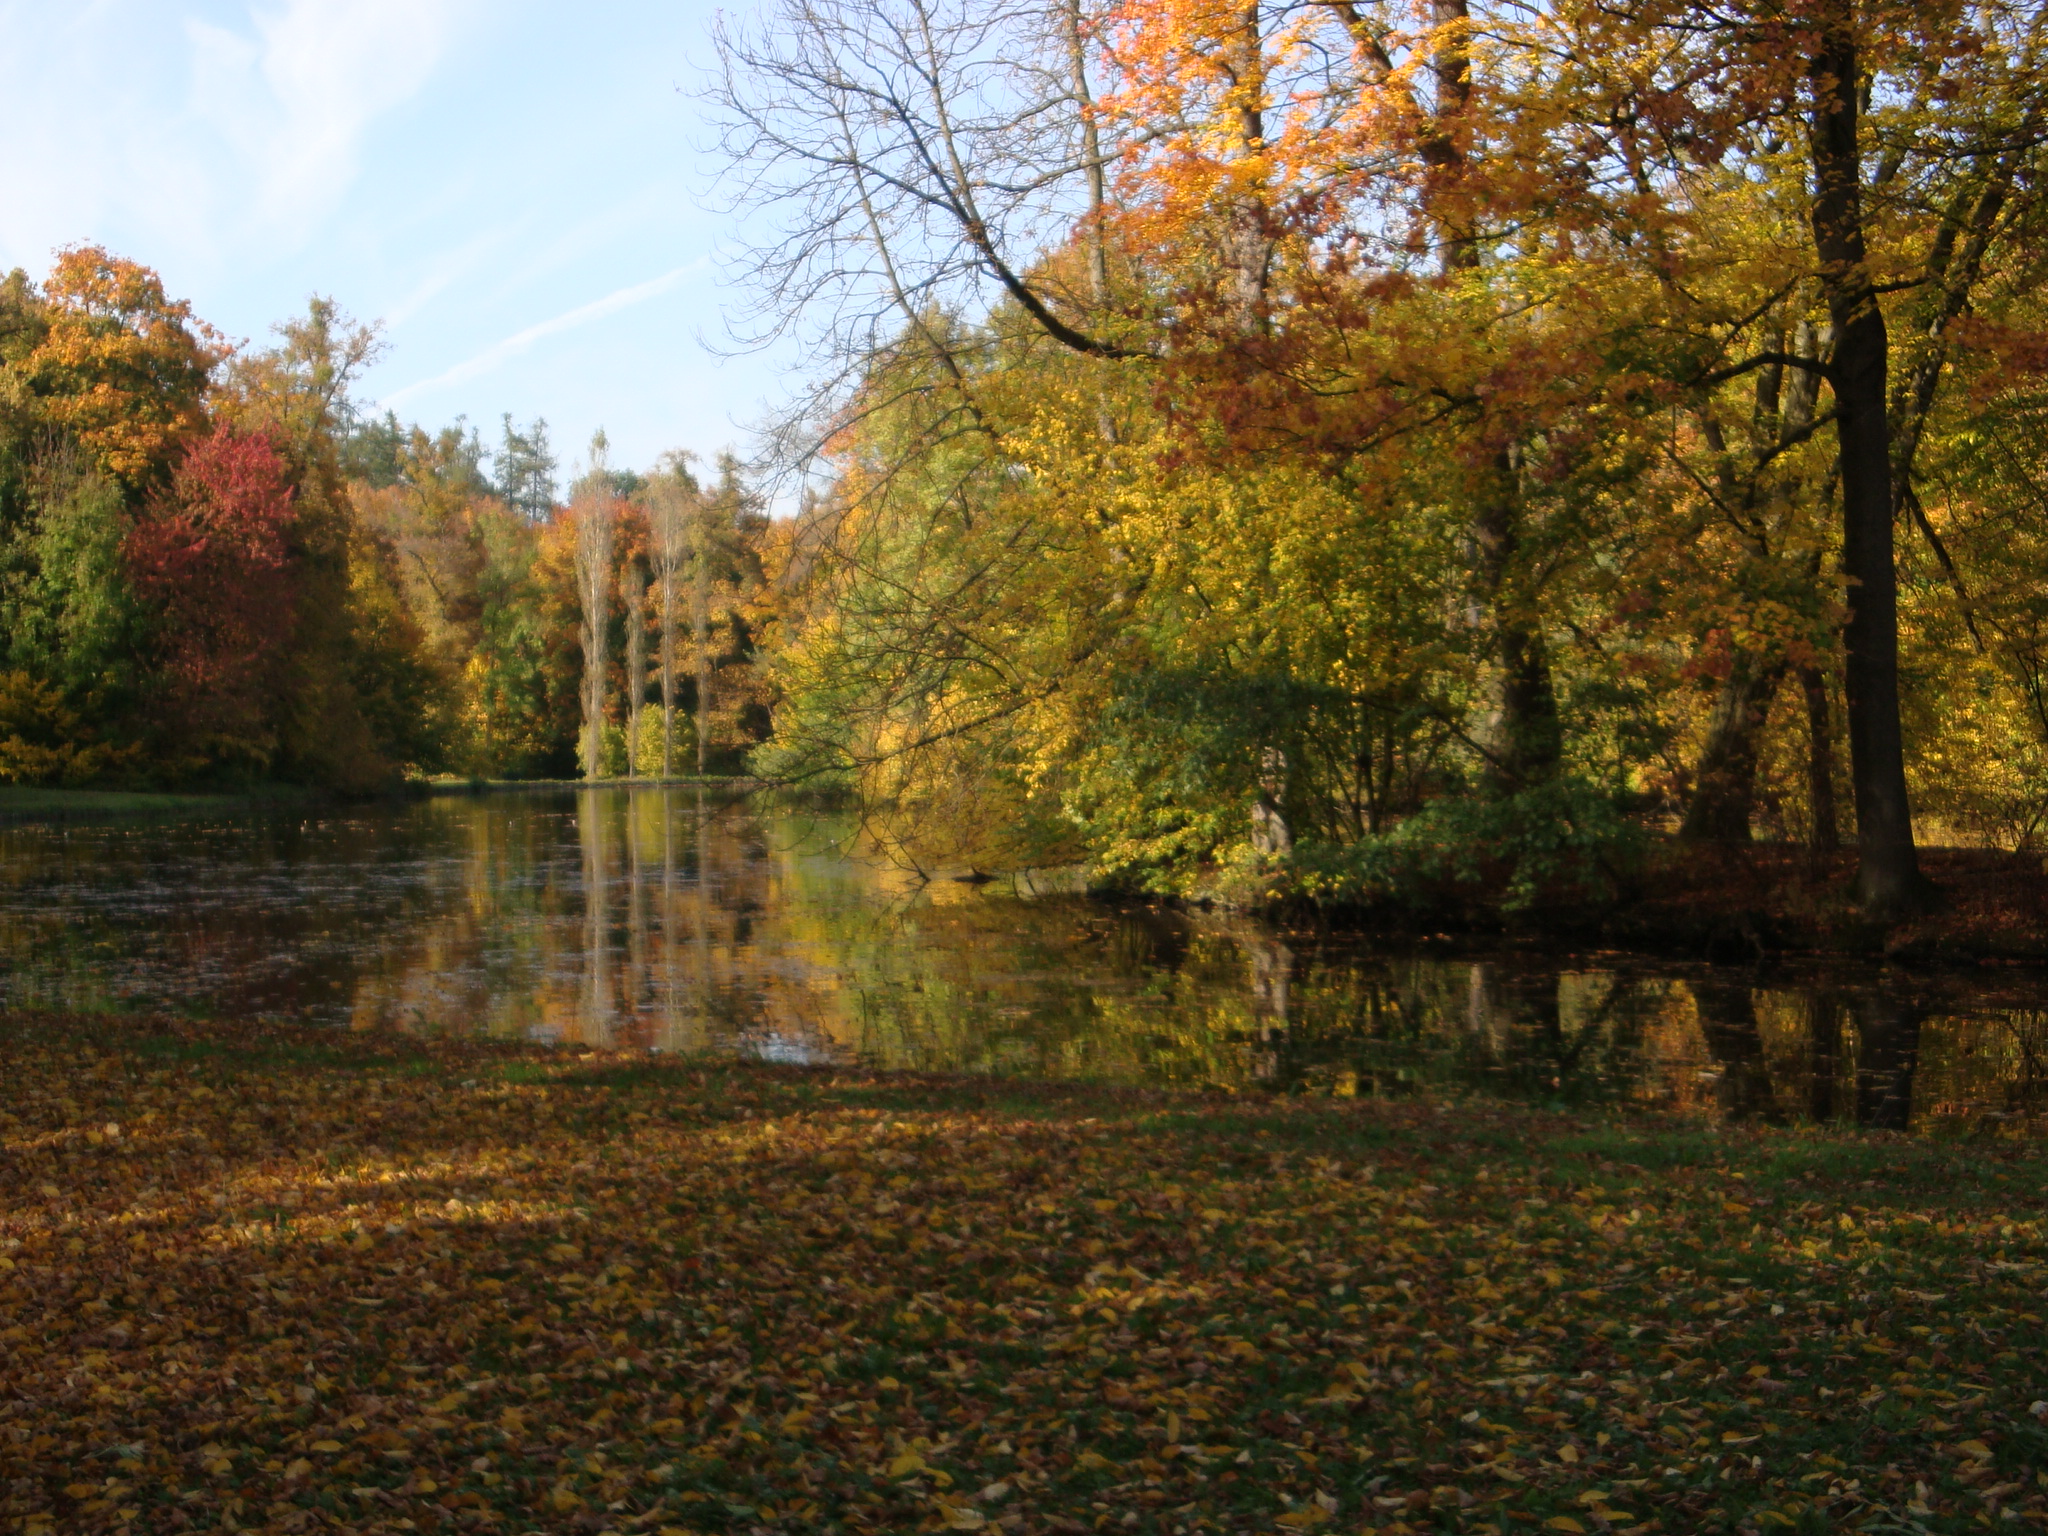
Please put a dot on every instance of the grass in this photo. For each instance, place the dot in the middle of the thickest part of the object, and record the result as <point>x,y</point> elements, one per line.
<point>268,1279</point>
<point>20,802</point>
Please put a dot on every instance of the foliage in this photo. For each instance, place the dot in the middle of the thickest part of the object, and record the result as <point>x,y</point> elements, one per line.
<point>1564,841</point>
<point>214,565</point>
<point>1399,405</point>
<point>120,365</point>
<point>213,558</point>
<point>43,740</point>
<point>297,1278</point>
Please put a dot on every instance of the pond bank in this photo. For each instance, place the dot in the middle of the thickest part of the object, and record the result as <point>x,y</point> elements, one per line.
<point>308,1279</point>
<point>1733,905</point>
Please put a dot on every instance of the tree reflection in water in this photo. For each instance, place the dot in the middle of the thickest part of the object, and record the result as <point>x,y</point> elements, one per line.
<point>673,920</point>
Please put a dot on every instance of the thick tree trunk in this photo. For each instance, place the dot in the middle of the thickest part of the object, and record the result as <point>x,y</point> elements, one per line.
<point>1520,736</point>
<point>1724,791</point>
<point>1520,733</point>
<point>1888,879</point>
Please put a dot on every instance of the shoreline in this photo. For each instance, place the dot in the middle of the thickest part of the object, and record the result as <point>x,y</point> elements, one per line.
<point>1760,905</point>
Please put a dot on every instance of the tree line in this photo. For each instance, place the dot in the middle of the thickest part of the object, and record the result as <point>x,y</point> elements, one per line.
<point>1332,434</point>
<point>216,569</point>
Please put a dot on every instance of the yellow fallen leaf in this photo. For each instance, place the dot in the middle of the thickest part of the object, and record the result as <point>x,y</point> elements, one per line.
<point>327,1447</point>
<point>965,1517</point>
<point>1564,1523</point>
<point>81,1490</point>
<point>906,1464</point>
<point>1976,1448</point>
<point>1105,1206</point>
<point>298,1468</point>
<point>1568,1454</point>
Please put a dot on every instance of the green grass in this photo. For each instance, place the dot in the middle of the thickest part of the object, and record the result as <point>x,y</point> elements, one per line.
<point>20,802</point>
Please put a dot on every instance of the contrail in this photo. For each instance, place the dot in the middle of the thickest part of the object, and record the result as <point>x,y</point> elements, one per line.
<point>512,346</point>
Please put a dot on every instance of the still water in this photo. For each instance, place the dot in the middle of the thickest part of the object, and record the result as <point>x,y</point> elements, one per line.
<point>667,920</point>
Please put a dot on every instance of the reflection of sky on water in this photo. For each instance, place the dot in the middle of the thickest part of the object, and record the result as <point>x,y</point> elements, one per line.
<point>663,919</point>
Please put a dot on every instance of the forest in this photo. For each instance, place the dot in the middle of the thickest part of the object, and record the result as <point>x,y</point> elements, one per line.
<point>1328,446</point>
<point>216,569</point>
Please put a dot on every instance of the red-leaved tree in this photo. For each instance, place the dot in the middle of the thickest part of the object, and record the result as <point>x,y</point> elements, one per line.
<point>215,557</point>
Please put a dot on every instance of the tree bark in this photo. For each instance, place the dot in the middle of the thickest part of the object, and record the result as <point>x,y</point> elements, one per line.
<point>636,663</point>
<point>1826,834</point>
<point>593,581</point>
<point>1888,879</point>
<point>700,629</point>
<point>1724,792</point>
<point>1521,735</point>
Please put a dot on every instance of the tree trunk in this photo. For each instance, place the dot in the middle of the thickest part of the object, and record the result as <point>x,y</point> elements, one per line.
<point>636,663</point>
<point>1724,791</point>
<point>668,671</point>
<point>593,580</point>
<point>1888,879</point>
<point>1826,835</point>
<point>1520,736</point>
<point>700,633</point>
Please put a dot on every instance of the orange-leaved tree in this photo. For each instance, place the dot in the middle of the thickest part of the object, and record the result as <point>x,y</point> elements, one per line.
<point>121,366</point>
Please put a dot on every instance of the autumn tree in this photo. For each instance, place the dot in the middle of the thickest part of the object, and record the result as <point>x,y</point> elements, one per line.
<point>120,366</point>
<point>592,506</point>
<point>672,499</point>
<point>213,554</point>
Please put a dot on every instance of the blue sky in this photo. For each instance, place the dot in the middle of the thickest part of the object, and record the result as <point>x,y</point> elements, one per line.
<point>514,188</point>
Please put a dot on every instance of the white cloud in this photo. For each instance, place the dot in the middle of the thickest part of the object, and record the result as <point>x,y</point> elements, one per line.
<point>513,345</point>
<point>293,101</point>
<point>206,139</point>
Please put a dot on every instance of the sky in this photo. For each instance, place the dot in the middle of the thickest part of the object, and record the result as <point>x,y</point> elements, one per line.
<point>518,190</point>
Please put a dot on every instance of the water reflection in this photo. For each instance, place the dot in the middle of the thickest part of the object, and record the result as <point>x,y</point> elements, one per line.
<point>666,920</point>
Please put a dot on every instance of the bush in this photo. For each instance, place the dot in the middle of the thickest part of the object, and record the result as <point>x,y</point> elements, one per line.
<point>1564,840</point>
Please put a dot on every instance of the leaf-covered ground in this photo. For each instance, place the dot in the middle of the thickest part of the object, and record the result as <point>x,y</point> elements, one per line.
<point>290,1281</point>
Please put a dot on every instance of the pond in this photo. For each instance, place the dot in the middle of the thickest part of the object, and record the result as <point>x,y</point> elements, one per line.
<point>669,920</point>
